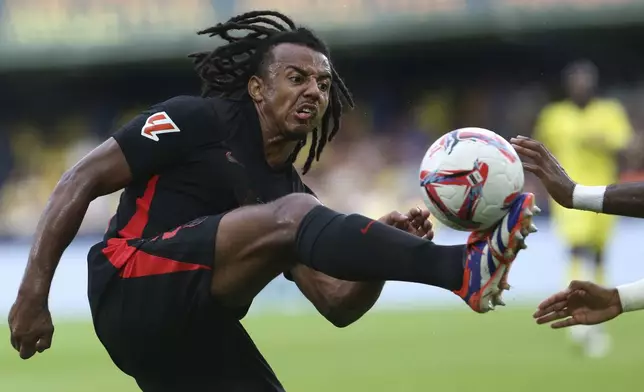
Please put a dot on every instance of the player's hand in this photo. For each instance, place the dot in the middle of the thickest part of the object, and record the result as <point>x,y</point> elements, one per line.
<point>539,161</point>
<point>415,222</point>
<point>31,327</point>
<point>581,303</point>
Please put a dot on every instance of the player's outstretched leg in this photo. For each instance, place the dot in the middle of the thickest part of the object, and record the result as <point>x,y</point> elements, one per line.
<point>255,244</point>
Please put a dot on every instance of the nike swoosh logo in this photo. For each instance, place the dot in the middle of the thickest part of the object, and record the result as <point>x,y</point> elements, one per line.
<point>366,228</point>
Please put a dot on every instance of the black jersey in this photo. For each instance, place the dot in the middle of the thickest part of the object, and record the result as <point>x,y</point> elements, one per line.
<point>192,157</point>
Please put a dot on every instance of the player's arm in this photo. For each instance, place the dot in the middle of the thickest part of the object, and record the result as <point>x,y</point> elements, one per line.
<point>616,199</point>
<point>101,172</point>
<point>135,152</point>
<point>588,303</point>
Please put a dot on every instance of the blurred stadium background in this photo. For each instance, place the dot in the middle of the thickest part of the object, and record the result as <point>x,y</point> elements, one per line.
<point>71,71</point>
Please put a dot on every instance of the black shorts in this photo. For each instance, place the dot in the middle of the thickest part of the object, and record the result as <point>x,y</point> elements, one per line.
<point>153,312</point>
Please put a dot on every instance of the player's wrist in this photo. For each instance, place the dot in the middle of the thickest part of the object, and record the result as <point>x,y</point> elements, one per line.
<point>588,198</point>
<point>35,288</point>
<point>616,300</point>
<point>631,296</point>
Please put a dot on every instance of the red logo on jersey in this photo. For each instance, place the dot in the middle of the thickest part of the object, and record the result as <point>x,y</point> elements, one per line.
<point>367,227</point>
<point>158,123</point>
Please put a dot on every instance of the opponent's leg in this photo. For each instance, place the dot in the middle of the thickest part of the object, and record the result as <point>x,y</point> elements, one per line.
<point>600,269</point>
<point>580,267</point>
<point>256,243</point>
<point>581,263</point>
<point>587,264</point>
<point>599,341</point>
<point>603,225</point>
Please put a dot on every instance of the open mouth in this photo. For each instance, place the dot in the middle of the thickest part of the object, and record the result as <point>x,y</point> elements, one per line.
<point>306,112</point>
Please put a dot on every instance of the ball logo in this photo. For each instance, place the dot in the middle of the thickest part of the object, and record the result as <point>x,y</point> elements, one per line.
<point>450,140</point>
<point>473,180</point>
<point>446,143</point>
<point>493,140</point>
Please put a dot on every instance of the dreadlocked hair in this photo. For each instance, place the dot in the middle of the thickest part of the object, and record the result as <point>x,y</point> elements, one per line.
<point>227,69</point>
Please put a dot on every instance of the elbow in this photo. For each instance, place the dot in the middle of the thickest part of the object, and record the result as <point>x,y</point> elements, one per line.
<point>342,313</point>
<point>68,183</point>
<point>70,178</point>
<point>342,319</point>
<point>75,183</point>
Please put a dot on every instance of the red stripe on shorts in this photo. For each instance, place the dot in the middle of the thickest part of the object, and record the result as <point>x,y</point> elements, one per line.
<point>134,263</point>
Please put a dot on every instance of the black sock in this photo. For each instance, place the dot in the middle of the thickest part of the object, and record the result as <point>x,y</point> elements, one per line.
<point>356,248</point>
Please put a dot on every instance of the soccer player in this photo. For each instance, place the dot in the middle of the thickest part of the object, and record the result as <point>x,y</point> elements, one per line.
<point>584,302</point>
<point>213,210</point>
<point>585,132</point>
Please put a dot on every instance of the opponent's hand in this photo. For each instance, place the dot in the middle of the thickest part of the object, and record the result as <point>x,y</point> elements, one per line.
<point>581,303</point>
<point>415,222</point>
<point>31,327</point>
<point>539,161</point>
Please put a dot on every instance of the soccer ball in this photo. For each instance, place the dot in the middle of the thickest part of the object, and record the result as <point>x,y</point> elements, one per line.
<point>469,177</point>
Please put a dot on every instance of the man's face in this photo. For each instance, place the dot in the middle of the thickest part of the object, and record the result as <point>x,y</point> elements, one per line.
<point>295,88</point>
<point>580,85</point>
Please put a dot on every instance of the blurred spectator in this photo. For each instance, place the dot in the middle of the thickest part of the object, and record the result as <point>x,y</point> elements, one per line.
<point>586,133</point>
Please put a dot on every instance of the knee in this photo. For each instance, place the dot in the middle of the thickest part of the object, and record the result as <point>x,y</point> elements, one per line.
<point>290,210</point>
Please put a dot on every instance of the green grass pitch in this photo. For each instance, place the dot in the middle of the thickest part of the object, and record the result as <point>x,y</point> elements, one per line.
<point>420,350</point>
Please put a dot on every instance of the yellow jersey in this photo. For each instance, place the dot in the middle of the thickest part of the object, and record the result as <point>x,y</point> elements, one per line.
<point>586,140</point>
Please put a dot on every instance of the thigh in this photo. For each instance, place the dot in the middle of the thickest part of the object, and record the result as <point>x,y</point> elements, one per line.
<point>167,278</point>
<point>254,245</point>
<point>157,304</point>
<point>147,324</point>
<point>159,322</point>
<point>171,344</point>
